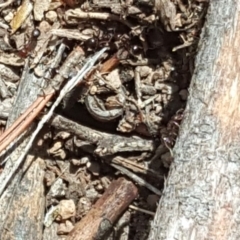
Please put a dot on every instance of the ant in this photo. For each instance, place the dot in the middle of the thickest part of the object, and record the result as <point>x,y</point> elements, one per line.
<point>170,133</point>
<point>115,39</point>
<point>107,39</point>
<point>32,43</point>
<point>93,44</point>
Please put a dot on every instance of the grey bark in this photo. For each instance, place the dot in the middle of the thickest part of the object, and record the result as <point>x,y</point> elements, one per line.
<point>201,198</point>
<point>23,202</point>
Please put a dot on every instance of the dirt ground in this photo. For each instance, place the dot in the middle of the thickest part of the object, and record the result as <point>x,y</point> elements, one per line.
<point>122,120</point>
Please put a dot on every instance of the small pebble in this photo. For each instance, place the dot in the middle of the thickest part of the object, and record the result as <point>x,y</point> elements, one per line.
<point>65,227</point>
<point>66,209</point>
<point>57,189</point>
<point>57,151</point>
<point>83,206</point>
<point>9,17</point>
<point>62,135</point>
<point>51,16</point>
<point>92,194</point>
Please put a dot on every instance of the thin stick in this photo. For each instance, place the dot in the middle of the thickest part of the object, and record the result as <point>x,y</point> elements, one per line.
<point>137,179</point>
<point>25,124</point>
<point>21,124</point>
<point>68,87</point>
<point>142,210</point>
<point>78,13</point>
<point>18,122</point>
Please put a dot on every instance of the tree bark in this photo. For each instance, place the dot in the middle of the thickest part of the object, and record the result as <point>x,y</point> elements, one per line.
<point>23,202</point>
<point>201,199</point>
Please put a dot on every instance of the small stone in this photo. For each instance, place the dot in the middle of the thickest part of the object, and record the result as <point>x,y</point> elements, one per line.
<point>58,151</point>
<point>75,162</point>
<point>57,189</point>
<point>99,187</point>
<point>62,135</point>
<point>9,17</point>
<point>83,206</point>
<point>144,71</point>
<point>85,159</point>
<point>93,90</point>
<point>92,194</point>
<point>51,16</point>
<point>64,227</point>
<point>65,210</point>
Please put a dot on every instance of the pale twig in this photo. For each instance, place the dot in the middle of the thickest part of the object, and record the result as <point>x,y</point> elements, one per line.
<point>78,13</point>
<point>7,3</point>
<point>136,167</point>
<point>142,210</point>
<point>68,87</point>
<point>137,179</point>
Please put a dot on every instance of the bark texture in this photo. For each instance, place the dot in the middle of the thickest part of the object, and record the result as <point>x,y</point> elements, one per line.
<point>106,211</point>
<point>23,202</point>
<point>201,199</point>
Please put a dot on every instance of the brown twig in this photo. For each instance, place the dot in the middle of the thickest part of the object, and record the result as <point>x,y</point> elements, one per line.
<point>106,211</point>
<point>23,122</point>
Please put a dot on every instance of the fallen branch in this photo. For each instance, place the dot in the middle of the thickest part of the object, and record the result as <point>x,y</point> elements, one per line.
<point>106,211</point>
<point>107,144</point>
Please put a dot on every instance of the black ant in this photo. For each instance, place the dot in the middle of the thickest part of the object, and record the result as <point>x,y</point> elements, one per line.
<point>136,49</point>
<point>92,43</point>
<point>115,40</point>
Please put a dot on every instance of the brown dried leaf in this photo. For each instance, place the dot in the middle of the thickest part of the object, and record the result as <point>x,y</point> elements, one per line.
<point>21,15</point>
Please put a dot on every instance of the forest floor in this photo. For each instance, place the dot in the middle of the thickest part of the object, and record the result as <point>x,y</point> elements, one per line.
<point>123,119</point>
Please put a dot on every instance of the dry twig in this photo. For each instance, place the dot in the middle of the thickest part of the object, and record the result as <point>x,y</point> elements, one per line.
<point>68,87</point>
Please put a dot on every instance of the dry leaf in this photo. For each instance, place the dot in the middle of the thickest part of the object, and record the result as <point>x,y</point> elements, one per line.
<point>21,15</point>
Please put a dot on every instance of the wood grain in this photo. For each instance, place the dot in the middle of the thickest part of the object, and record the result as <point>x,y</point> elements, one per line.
<point>201,199</point>
<point>105,212</point>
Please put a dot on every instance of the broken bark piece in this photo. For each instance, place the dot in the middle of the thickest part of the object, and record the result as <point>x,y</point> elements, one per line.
<point>25,208</point>
<point>101,218</point>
